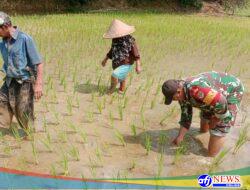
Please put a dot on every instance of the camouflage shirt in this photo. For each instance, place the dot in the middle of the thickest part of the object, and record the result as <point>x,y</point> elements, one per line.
<point>210,92</point>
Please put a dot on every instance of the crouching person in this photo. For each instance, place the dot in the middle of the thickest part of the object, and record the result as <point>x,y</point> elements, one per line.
<point>123,53</point>
<point>23,81</point>
<point>217,95</point>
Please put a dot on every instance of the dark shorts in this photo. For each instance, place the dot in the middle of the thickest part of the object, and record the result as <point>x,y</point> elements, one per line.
<point>17,100</point>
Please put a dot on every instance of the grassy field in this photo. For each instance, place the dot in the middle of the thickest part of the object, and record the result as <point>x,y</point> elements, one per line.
<point>86,133</point>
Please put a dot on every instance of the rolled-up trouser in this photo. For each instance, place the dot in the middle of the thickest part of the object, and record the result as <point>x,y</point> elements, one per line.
<point>222,128</point>
<point>17,99</point>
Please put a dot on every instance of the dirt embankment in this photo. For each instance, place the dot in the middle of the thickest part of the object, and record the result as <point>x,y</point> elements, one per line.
<point>56,6</point>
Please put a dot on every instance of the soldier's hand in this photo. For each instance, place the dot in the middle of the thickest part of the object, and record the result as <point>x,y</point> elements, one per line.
<point>177,140</point>
<point>38,90</point>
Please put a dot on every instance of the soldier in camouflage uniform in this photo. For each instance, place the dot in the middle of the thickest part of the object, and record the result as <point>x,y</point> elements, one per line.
<point>217,95</point>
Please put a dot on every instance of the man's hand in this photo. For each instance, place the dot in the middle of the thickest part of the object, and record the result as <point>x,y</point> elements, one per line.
<point>138,69</point>
<point>38,90</point>
<point>177,141</point>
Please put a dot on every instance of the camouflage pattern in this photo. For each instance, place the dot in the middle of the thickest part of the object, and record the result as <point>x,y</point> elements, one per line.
<point>215,94</point>
<point>18,100</point>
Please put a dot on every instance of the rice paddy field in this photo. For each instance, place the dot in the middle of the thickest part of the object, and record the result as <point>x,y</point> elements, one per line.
<point>83,132</point>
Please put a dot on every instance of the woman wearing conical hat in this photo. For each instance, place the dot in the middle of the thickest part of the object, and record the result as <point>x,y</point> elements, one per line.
<point>123,52</point>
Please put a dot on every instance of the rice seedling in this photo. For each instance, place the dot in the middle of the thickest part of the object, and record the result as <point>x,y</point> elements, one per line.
<point>98,154</point>
<point>73,127</point>
<point>7,150</point>
<point>120,111</point>
<point>44,123</point>
<point>34,152</point>
<point>180,151</point>
<point>83,136</point>
<point>53,170</point>
<point>47,142</point>
<point>133,129</point>
<point>69,106</point>
<point>62,136</point>
<point>99,106</point>
<point>74,153</point>
<point>120,137</point>
<point>90,116</point>
<point>111,119</point>
<point>133,165</point>
<point>218,160</point>
<point>160,164</point>
<point>242,139</point>
<point>17,136</point>
<point>147,143</point>
<point>64,163</point>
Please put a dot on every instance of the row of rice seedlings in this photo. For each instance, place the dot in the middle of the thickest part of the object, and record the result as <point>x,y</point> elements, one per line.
<point>242,139</point>
<point>83,136</point>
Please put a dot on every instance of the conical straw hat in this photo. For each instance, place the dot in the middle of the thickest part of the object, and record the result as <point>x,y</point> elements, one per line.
<point>118,29</point>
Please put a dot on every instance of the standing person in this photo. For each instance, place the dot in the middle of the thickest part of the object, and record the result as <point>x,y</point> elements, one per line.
<point>123,53</point>
<point>23,69</point>
<point>217,95</point>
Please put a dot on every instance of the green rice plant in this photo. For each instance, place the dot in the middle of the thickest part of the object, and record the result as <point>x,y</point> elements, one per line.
<point>57,119</point>
<point>77,102</point>
<point>83,136</point>
<point>34,152</point>
<point>143,120</point>
<point>133,129</point>
<point>180,151</point>
<point>125,103</point>
<point>74,153</point>
<point>45,104</point>
<point>160,164</point>
<point>62,136</point>
<point>99,106</point>
<point>133,165</point>
<point>53,170</point>
<point>163,139</point>
<point>47,142</point>
<point>98,154</point>
<point>120,111</point>
<point>64,163</point>
<point>242,139</point>
<point>90,116</point>
<point>44,123</point>
<point>16,135</point>
<point>92,166</point>
<point>69,106</point>
<point>111,119</point>
<point>120,137</point>
<point>217,161</point>
<point>147,143</point>
<point>7,150</point>
<point>72,127</point>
